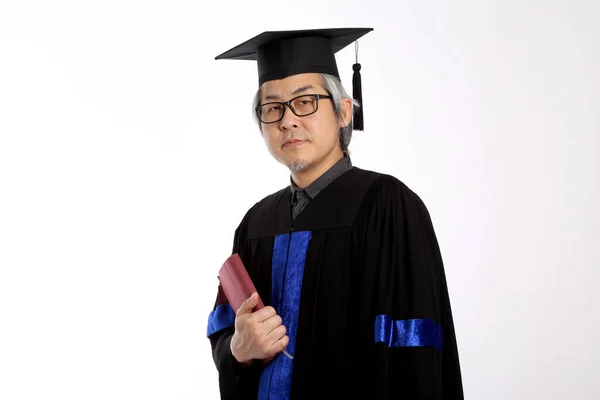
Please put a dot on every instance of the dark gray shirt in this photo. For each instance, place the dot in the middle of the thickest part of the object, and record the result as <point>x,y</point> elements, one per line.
<point>301,197</point>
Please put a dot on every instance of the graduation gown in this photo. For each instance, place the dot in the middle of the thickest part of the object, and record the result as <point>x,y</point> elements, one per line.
<point>359,282</point>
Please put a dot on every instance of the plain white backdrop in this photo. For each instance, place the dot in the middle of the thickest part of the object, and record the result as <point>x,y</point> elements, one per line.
<point>128,156</point>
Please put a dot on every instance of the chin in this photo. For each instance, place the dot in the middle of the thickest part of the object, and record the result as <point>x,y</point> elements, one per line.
<point>298,165</point>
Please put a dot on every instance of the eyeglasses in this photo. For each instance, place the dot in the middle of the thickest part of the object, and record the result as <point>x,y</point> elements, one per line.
<point>302,106</point>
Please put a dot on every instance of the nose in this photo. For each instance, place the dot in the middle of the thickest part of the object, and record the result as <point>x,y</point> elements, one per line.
<point>289,120</point>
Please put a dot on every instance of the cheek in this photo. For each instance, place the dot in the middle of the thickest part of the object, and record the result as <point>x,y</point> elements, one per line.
<point>323,130</point>
<point>271,138</point>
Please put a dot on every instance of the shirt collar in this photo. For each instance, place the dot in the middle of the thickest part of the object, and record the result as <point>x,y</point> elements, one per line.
<point>324,180</point>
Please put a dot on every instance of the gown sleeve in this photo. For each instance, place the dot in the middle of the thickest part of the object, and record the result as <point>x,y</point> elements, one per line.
<point>408,328</point>
<point>235,382</point>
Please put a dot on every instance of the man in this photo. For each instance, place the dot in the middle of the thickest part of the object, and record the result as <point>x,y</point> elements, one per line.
<point>346,260</point>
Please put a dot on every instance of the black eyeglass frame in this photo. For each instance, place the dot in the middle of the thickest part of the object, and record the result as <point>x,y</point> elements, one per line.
<point>288,103</point>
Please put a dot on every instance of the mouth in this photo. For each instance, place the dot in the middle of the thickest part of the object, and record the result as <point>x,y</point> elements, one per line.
<point>294,143</point>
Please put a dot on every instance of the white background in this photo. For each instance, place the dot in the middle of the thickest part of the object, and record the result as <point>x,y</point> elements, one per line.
<point>128,156</point>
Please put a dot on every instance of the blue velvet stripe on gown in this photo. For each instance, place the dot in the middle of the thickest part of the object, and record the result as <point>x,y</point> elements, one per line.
<point>289,257</point>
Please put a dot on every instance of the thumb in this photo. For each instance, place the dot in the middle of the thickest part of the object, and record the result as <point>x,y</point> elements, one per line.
<point>248,304</point>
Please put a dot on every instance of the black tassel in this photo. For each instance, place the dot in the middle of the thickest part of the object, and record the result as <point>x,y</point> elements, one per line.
<point>358,119</point>
<point>357,94</point>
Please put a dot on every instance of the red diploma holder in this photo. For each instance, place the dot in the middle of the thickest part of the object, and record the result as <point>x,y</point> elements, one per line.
<point>237,285</point>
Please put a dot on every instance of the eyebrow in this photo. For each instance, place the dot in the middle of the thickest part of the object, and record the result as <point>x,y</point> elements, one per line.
<point>295,92</point>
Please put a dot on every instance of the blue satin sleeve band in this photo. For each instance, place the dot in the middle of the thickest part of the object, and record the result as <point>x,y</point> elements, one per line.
<point>222,317</point>
<point>408,332</point>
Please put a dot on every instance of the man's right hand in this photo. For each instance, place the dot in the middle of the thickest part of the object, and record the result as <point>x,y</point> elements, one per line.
<point>258,335</point>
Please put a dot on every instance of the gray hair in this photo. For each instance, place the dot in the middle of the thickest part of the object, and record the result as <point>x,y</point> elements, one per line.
<point>336,90</point>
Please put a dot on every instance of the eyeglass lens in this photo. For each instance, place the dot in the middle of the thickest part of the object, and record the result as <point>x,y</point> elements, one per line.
<point>301,106</point>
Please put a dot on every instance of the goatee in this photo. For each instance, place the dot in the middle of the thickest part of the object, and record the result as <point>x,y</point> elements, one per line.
<point>298,165</point>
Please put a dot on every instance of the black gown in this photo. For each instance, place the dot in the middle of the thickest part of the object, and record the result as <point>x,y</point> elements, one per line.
<point>359,282</point>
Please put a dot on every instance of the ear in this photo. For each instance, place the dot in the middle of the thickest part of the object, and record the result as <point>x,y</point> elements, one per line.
<point>346,112</point>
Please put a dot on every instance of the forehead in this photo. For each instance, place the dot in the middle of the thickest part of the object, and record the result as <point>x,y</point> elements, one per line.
<point>285,88</point>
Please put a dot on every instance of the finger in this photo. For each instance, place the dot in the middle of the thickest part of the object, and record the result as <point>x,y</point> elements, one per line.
<point>280,345</point>
<point>248,304</point>
<point>271,323</point>
<point>276,334</point>
<point>264,314</point>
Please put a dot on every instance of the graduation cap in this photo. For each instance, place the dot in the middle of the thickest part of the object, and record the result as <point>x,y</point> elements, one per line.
<point>280,54</point>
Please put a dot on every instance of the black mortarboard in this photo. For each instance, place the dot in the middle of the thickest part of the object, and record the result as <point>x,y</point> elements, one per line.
<point>280,54</point>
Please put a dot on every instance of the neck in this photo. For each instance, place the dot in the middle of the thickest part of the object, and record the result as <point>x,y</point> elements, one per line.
<point>306,177</point>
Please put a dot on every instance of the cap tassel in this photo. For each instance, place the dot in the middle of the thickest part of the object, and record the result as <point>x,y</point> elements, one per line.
<point>358,119</point>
